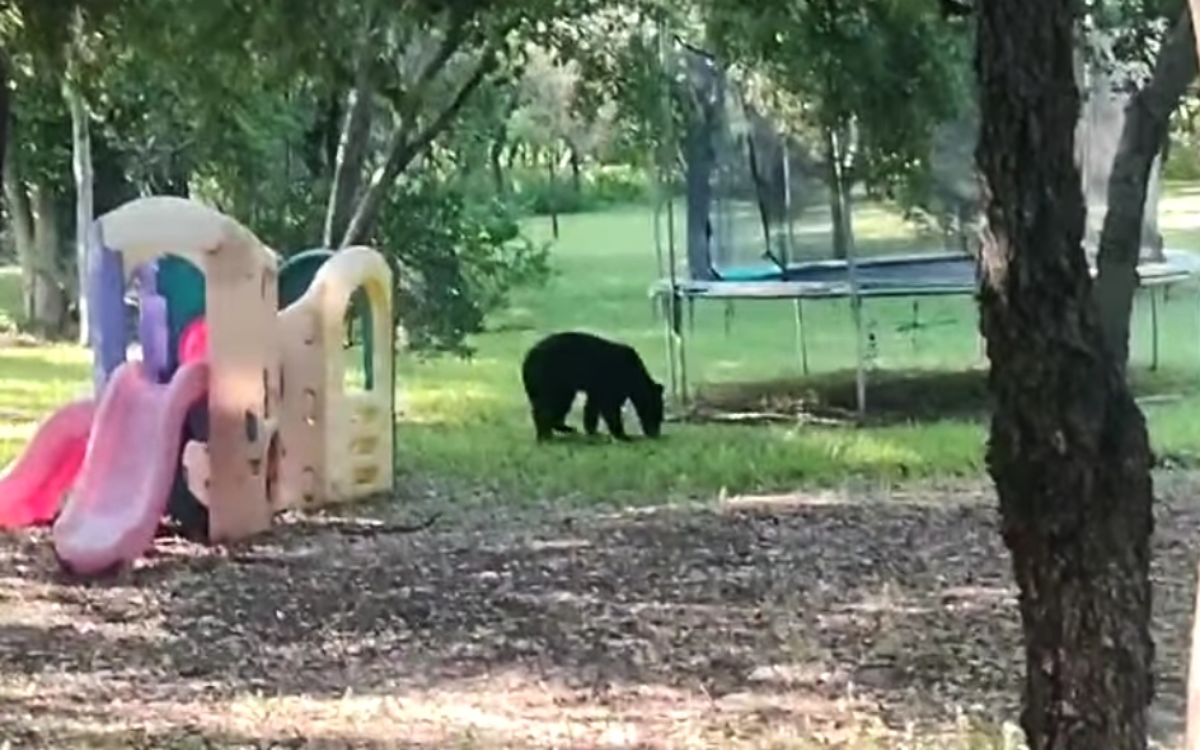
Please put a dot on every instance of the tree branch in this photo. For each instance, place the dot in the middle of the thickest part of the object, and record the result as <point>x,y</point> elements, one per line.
<point>1147,117</point>
<point>410,101</point>
<point>402,149</point>
<point>351,153</point>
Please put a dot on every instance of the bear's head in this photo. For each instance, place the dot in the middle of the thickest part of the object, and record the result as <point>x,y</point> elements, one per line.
<point>649,407</point>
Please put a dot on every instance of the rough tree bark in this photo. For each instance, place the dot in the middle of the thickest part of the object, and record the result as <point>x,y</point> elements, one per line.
<point>1068,449</point>
<point>1191,740</point>
<point>1147,117</point>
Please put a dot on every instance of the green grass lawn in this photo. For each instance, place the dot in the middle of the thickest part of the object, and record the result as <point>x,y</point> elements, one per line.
<point>466,420</point>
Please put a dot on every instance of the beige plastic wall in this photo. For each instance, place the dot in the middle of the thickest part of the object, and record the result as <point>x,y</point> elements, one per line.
<point>244,354</point>
<point>337,445</point>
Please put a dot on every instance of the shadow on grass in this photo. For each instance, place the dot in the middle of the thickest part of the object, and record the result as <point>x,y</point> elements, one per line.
<point>893,397</point>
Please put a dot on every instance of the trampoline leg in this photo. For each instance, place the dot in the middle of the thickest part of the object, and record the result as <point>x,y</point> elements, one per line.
<point>860,375</point>
<point>801,338</point>
<point>728,317</point>
<point>691,308</point>
<point>916,323</point>
<point>1153,329</point>
<point>681,339</point>
<point>669,340</point>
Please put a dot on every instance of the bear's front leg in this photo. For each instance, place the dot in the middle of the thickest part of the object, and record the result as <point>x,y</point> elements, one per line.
<point>612,420</point>
<point>591,416</point>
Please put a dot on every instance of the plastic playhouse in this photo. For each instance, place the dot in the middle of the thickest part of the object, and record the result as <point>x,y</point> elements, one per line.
<point>236,410</point>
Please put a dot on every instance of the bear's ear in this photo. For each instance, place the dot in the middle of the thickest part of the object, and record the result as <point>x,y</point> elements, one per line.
<point>658,388</point>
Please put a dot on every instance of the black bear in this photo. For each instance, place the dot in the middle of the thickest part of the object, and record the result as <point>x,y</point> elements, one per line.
<point>608,373</point>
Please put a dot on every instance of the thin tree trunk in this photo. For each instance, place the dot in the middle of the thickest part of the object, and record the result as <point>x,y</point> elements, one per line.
<point>1068,449</point>
<point>1147,117</point>
<point>5,105</point>
<point>404,146</point>
<point>21,221</point>
<point>49,293</point>
<point>496,160</point>
<point>833,157</point>
<point>553,202</point>
<point>576,172</point>
<point>351,155</point>
<point>81,162</point>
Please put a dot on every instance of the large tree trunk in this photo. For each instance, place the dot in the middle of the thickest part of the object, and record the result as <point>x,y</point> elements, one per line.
<point>1147,116</point>
<point>81,144</point>
<point>1068,450</point>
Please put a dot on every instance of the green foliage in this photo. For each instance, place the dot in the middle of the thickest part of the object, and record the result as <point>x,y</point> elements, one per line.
<point>887,70</point>
<point>456,262</point>
<point>1127,31</point>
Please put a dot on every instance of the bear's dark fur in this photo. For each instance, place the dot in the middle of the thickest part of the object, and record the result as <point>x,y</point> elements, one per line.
<point>563,364</point>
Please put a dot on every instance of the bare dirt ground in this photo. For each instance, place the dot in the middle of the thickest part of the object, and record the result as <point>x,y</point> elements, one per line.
<point>791,621</point>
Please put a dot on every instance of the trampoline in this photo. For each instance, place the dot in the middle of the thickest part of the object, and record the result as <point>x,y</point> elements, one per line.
<point>913,275</point>
<point>766,205</point>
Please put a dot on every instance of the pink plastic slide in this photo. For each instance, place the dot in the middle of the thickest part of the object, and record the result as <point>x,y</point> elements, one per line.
<point>132,457</point>
<point>32,487</point>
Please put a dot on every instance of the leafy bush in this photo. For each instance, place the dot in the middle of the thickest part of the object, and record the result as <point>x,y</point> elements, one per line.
<point>456,262</point>
<point>619,184</point>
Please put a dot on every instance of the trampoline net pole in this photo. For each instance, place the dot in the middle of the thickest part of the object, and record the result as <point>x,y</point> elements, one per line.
<point>801,343</point>
<point>658,212</point>
<point>789,239</point>
<point>1153,329</point>
<point>674,330</point>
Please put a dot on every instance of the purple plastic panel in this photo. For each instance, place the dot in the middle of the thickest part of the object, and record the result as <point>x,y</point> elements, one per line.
<point>152,323</point>
<point>106,308</point>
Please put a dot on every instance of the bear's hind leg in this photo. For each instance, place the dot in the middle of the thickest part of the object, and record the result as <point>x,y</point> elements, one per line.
<point>550,413</point>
